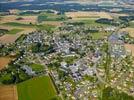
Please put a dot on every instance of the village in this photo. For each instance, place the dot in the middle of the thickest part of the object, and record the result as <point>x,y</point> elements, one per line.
<point>66,50</point>
<point>78,64</point>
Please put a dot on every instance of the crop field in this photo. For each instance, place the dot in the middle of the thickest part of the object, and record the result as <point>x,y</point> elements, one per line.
<point>89,22</point>
<point>17,29</point>
<point>4,61</point>
<point>130,48</point>
<point>129,30</point>
<point>54,23</point>
<point>51,17</point>
<point>8,93</point>
<point>14,31</point>
<point>20,19</point>
<point>9,38</point>
<point>16,24</point>
<point>39,88</point>
<point>84,14</point>
<point>13,36</point>
<point>6,27</point>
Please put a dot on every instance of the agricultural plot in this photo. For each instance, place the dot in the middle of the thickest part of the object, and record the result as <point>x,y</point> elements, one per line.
<point>129,30</point>
<point>54,23</point>
<point>130,48</point>
<point>20,19</point>
<point>51,17</point>
<point>9,38</point>
<point>8,93</point>
<point>16,24</point>
<point>17,29</point>
<point>91,22</point>
<point>40,88</point>
<point>14,31</point>
<point>4,61</point>
<point>84,14</point>
<point>14,34</point>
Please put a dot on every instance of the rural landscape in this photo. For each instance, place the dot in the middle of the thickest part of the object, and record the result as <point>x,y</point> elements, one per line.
<point>66,49</point>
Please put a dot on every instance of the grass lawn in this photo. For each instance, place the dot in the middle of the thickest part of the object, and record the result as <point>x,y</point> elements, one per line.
<point>99,35</point>
<point>37,67</point>
<point>39,88</point>
<point>14,31</point>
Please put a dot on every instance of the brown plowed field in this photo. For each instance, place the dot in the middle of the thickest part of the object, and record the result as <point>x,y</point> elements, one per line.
<point>8,93</point>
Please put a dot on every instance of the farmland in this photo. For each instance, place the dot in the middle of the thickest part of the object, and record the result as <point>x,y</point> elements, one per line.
<point>20,19</point>
<point>129,30</point>
<point>39,88</point>
<point>4,61</point>
<point>14,31</point>
<point>51,17</point>
<point>8,93</point>
<point>130,48</point>
<point>83,14</point>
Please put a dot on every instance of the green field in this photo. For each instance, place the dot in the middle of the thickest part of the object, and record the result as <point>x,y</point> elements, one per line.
<point>100,35</point>
<point>51,17</point>
<point>40,88</point>
<point>91,22</point>
<point>18,24</point>
<point>37,67</point>
<point>40,27</point>
<point>14,31</point>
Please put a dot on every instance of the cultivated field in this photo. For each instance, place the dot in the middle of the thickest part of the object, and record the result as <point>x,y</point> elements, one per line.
<point>129,30</point>
<point>130,48</point>
<point>6,27</point>
<point>116,15</point>
<point>39,88</point>
<point>13,18</point>
<point>4,61</point>
<point>84,14</point>
<point>54,23</point>
<point>11,38</point>
<point>8,93</point>
<point>8,38</point>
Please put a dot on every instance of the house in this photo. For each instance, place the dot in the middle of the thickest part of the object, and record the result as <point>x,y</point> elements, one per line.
<point>28,70</point>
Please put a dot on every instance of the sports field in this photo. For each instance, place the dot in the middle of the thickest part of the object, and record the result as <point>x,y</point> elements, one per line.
<point>40,88</point>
